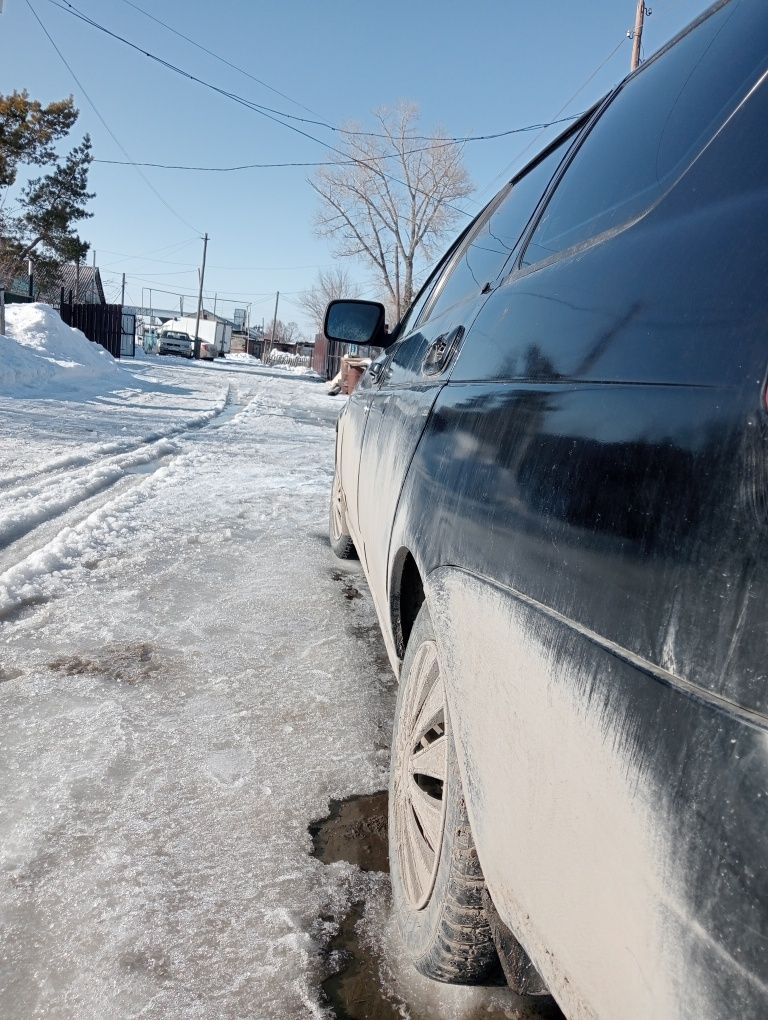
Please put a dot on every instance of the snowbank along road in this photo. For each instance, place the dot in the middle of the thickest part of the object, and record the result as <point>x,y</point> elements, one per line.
<point>187,678</point>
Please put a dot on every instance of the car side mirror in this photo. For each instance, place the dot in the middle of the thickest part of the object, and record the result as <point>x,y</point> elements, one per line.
<point>356,322</point>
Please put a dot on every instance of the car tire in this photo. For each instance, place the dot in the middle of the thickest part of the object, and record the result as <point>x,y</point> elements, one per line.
<point>437,882</point>
<point>340,539</point>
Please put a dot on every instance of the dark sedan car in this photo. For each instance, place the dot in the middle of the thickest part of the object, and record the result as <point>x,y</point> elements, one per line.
<point>556,478</point>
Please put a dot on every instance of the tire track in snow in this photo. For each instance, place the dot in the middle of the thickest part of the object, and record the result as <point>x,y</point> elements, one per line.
<point>44,498</point>
<point>33,505</point>
<point>30,526</point>
<point>81,537</point>
<point>32,531</point>
<point>104,451</point>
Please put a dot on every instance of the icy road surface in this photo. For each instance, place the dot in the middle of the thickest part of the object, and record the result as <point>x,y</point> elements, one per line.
<point>187,677</point>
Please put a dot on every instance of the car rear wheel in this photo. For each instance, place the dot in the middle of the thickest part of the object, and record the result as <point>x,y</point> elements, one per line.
<point>437,882</point>
<point>341,540</point>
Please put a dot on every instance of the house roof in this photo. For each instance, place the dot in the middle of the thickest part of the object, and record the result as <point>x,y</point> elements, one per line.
<point>91,290</point>
<point>85,286</point>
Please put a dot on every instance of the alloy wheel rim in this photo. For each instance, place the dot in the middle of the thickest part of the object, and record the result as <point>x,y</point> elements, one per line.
<point>420,777</point>
<point>337,510</point>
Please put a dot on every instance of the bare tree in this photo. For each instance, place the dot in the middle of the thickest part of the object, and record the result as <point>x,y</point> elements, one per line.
<point>330,285</point>
<point>287,333</point>
<point>388,201</point>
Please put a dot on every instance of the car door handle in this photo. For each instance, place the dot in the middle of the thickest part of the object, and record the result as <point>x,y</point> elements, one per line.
<point>441,350</point>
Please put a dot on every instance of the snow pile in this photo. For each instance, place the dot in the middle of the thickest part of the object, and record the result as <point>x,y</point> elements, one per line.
<point>242,358</point>
<point>293,369</point>
<point>42,355</point>
<point>287,358</point>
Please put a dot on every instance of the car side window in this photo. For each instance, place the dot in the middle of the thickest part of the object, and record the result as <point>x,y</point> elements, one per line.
<point>488,248</point>
<point>653,129</point>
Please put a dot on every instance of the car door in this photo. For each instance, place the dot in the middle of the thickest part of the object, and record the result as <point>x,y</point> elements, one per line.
<point>353,419</point>
<point>421,361</point>
<point>349,440</point>
<point>398,410</point>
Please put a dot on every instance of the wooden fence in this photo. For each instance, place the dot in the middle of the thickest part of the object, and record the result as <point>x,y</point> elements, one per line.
<point>101,323</point>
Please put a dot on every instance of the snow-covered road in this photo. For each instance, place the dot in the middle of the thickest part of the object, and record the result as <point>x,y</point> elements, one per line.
<point>187,677</point>
<point>175,655</point>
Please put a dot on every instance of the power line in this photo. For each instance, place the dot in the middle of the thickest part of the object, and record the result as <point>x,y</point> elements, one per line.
<point>192,265</point>
<point>150,256</point>
<point>106,126</point>
<point>262,166</point>
<point>272,269</point>
<point>305,120</point>
<point>209,295</point>
<point>68,8</point>
<point>177,272</point>
<point>217,56</point>
<point>565,106</point>
<point>336,162</point>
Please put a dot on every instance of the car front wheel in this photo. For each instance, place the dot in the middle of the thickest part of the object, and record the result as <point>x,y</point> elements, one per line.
<point>437,882</point>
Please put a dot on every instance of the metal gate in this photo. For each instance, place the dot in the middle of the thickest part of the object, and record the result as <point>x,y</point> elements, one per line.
<point>128,336</point>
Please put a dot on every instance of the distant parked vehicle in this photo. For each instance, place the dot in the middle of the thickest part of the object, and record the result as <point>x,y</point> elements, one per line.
<point>556,479</point>
<point>216,336</point>
<point>173,341</point>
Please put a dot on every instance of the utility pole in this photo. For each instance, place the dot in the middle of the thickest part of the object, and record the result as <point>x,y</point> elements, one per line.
<point>122,291</point>
<point>274,323</point>
<point>200,299</point>
<point>637,34</point>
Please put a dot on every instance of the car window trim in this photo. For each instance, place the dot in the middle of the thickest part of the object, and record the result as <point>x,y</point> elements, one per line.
<point>431,281</point>
<point>591,119</point>
<point>520,270</point>
<point>460,250</point>
<point>462,243</point>
<point>594,116</point>
<point>582,126</point>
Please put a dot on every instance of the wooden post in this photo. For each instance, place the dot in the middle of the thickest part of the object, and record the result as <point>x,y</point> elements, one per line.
<point>274,325</point>
<point>200,300</point>
<point>637,35</point>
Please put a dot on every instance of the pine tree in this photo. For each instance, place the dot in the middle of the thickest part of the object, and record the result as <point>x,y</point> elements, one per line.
<point>53,203</point>
<point>28,130</point>
<point>47,207</point>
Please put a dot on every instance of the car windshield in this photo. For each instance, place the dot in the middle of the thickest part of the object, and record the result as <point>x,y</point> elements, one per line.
<point>176,336</point>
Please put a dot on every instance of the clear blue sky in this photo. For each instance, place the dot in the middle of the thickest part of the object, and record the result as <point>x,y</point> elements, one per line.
<point>473,68</point>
